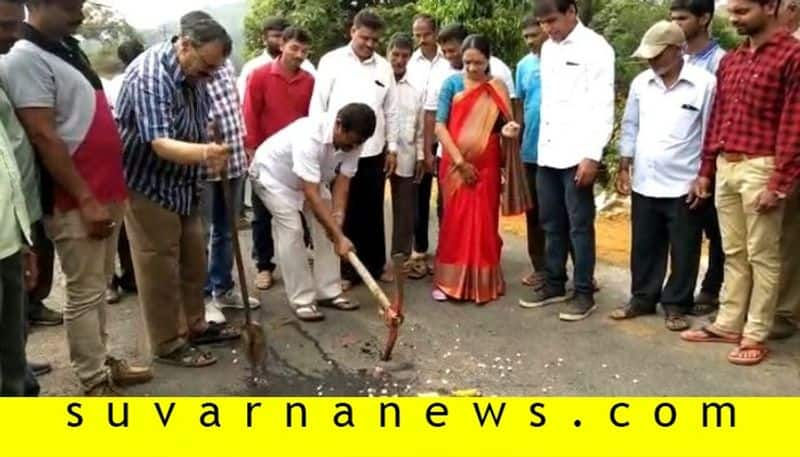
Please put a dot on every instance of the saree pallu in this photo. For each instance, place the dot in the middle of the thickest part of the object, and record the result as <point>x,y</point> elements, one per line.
<point>468,256</point>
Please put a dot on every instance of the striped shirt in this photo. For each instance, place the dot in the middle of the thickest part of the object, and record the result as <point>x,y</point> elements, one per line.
<point>226,109</point>
<point>156,102</point>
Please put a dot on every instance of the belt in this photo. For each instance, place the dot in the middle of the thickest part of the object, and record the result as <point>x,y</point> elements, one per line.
<point>734,157</point>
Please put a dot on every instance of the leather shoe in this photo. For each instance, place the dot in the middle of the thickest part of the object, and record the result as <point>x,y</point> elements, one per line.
<point>123,374</point>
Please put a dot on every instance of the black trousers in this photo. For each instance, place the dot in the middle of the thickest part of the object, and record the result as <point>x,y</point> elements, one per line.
<point>45,258</point>
<point>363,222</point>
<point>263,245</point>
<point>664,229</point>
<point>712,283</point>
<point>535,232</point>
<point>423,211</point>
<point>127,278</point>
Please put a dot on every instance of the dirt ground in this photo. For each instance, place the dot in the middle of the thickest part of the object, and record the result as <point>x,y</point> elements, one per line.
<point>613,236</point>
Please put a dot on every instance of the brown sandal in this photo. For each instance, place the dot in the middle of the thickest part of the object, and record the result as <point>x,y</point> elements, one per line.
<point>629,312</point>
<point>708,335</point>
<point>739,355</point>
<point>676,323</point>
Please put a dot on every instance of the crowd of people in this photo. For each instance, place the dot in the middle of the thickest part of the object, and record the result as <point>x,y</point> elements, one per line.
<point>137,168</point>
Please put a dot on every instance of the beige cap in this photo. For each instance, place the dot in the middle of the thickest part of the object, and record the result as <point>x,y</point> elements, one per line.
<point>657,38</point>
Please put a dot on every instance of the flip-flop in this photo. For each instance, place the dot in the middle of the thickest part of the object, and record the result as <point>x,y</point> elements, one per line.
<point>187,356</point>
<point>439,296</point>
<point>308,313</point>
<point>708,335</point>
<point>216,333</point>
<point>735,357</point>
<point>340,303</point>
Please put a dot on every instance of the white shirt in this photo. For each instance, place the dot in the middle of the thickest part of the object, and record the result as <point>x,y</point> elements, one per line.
<point>663,130</point>
<point>258,62</point>
<point>343,78</point>
<point>303,151</point>
<point>577,113</point>
<point>112,89</point>
<point>438,75</point>
<point>410,122</point>
<point>420,69</point>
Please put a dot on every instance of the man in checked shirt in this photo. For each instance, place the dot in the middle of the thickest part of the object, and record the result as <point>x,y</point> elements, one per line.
<point>753,148</point>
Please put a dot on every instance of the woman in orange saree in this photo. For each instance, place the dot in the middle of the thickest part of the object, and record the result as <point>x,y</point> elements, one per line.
<point>474,112</point>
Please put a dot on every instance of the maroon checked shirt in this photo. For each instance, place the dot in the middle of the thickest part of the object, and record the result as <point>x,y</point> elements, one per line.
<point>757,108</point>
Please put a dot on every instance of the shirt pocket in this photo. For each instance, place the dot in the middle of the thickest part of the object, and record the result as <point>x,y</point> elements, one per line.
<point>571,80</point>
<point>685,120</point>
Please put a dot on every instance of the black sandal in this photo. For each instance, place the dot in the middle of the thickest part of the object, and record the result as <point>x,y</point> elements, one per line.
<point>629,312</point>
<point>187,356</point>
<point>341,303</point>
<point>676,323</point>
<point>216,333</point>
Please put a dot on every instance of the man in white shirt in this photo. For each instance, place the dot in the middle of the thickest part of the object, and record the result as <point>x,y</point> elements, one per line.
<point>356,73</point>
<point>662,134</point>
<point>577,118</point>
<point>294,171</point>
<point>410,155</point>
<point>426,61</point>
<point>272,38</point>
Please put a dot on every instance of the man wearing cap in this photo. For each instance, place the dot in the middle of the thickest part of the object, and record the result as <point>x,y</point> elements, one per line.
<point>662,133</point>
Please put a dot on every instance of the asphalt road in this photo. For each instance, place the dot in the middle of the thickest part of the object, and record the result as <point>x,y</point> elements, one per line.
<point>500,349</point>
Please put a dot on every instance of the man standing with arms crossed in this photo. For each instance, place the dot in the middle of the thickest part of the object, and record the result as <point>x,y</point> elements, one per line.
<point>577,118</point>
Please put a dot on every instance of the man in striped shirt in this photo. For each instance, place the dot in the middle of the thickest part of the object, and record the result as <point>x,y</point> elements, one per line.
<point>162,112</point>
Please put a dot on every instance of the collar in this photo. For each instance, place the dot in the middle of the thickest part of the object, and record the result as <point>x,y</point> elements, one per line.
<point>707,51</point>
<point>404,79</point>
<point>575,34</point>
<point>418,55</point>
<point>352,53</point>
<point>686,75</point>
<point>777,38</point>
<point>276,68</point>
<point>268,55</point>
<point>169,58</point>
<point>68,50</point>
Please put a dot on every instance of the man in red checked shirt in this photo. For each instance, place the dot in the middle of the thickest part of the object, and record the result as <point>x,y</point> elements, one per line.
<point>753,148</point>
<point>276,95</point>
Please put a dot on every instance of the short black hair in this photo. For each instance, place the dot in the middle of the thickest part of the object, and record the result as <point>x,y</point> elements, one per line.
<point>401,40</point>
<point>129,50</point>
<point>545,7</point>
<point>296,34</point>
<point>453,32</point>
<point>530,20</point>
<point>695,7</point>
<point>274,24</point>
<point>427,18</point>
<point>357,118</point>
<point>200,28</point>
<point>369,20</point>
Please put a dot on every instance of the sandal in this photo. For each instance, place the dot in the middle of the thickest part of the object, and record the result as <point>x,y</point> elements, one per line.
<point>308,313</point>
<point>341,303</point>
<point>676,323</point>
<point>748,355</point>
<point>629,312</point>
<point>708,334</point>
<point>416,269</point>
<point>704,309</point>
<point>216,333</point>
<point>533,279</point>
<point>187,356</point>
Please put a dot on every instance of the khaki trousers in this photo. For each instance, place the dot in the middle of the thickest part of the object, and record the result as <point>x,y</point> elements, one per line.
<point>87,264</point>
<point>752,244</point>
<point>789,290</point>
<point>169,259</point>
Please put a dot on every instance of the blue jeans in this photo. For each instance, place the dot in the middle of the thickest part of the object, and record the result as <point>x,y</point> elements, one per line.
<point>218,235</point>
<point>567,213</point>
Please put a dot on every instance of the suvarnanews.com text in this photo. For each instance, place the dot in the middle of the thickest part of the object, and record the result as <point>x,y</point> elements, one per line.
<point>387,414</point>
